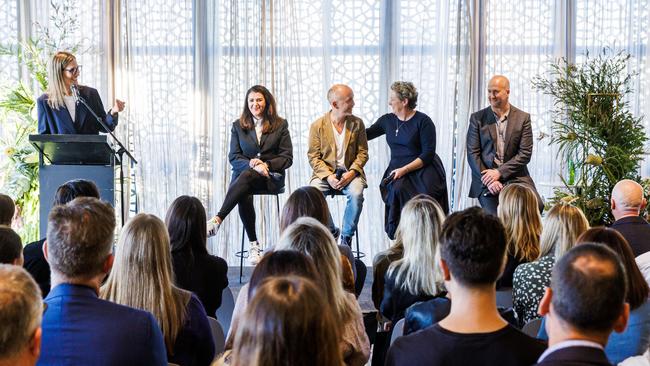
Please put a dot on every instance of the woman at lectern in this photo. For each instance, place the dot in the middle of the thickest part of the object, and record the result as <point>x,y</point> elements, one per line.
<point>60,110</point>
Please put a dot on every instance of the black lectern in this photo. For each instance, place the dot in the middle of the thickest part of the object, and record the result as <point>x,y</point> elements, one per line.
<point>66,157</point>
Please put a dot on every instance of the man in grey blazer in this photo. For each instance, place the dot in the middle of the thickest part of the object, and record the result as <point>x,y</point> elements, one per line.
<point>499,146</point>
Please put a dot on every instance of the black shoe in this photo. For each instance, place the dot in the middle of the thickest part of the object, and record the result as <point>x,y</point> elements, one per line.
<point>346,240</point>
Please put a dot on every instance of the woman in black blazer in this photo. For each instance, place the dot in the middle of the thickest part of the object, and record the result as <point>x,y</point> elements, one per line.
<point>260,152</point>
<point>58,109</point>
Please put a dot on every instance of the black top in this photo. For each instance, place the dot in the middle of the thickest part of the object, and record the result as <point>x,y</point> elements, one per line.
<point>438,346</point>
<point>576,356</point>
<point>636,231</point>
<point>396,299</point>
<point>37,266</point>
<point>379,267</point>
<point>194,345</point>
<point>505,281</point>
<point>205,275</point>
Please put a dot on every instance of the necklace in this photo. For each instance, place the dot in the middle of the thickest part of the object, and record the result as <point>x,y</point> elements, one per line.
<point>399,125</point>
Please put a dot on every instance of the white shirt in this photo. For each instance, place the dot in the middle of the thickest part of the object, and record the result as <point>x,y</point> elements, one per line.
<point>339,139</point>
<point>258,128</point>
<point>567,344</point>
<point>70,105</point>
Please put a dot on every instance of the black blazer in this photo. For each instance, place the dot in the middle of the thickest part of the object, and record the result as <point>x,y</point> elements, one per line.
<point>481,147</point>
<point>59,122</point>
<point>636,231</point>
<point>275,149</point>
<point>576,356</point>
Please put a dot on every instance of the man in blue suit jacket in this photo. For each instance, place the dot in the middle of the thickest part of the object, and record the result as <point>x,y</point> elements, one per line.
<point>78,327</point>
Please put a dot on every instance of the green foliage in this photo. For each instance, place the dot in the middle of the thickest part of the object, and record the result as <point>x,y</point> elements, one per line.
<point>594,129</point>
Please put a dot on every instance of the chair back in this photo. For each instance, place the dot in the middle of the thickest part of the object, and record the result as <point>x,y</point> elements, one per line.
<point>532,327</point>
<point>398,330</point>
<point>504,298</point>
<point>224,312</point>
<point>218,336</point>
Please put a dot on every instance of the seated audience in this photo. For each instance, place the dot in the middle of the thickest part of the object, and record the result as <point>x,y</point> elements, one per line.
<point>585,302</point>
<point>142,278</point>
<point>380,265</point>
<point>21,307</point>
<point>272,264</point>
<point>288,322</point>
<point>562,226</point>
<point>636,337</point>
<point>11,247</point>
<point>626,204</point>
<point>312,238</point>
<point>7,210</point>
<point>519,212</point>
<point>195,269</point>
<point>472,256</point>
<point>78,327</point>
<point>35,262</point>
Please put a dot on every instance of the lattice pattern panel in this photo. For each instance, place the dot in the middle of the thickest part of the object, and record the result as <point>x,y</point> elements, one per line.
<point>8,38</point>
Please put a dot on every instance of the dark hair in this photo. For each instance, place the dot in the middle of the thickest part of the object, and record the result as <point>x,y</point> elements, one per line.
<point>7,209</point>
<point>589,297</point>
<point>637,293</point>
<point>282,263</point>
<point>271,118</point>
<point>473,244</point>
<point>305,201</point>
<point>10,245</point>
<point>73,189</point>
<point>186,224</point>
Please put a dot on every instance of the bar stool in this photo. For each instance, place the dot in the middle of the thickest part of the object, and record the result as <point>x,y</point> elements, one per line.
<point>357,253</point>
<point>244,253</point>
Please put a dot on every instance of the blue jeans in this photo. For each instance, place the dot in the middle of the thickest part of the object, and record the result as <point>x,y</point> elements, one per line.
<point>354,194</point>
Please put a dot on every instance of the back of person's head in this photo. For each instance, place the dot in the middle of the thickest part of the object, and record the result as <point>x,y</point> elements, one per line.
<point>142,275</point>
<point>519,212</point>
<point>21,309</point>
<point>312,238</point>
<point>637,293</point>
<point>305,201</point>
<point>7,209</point>
<point>186,224</point>
<point>589,288</point>
<point>627,196</point>
<point>79,237</point>
<point>287,322</point>
<point>73,189</point>
<point>473,245</point>
<point>418,232</point>
<point>282,263</point>
<point>11,247</point>
<point>562,226</point>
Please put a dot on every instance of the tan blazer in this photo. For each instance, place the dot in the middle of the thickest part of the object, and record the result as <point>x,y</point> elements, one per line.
<point>322,148</point>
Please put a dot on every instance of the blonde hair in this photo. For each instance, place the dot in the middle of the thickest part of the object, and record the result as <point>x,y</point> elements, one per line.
<point>519,212</point>
<point>562,226</point>
<point>312,238</point>
<point>287,322</point>
<point>55,85</point>
<point>418,233</point>
<point>142,276</point>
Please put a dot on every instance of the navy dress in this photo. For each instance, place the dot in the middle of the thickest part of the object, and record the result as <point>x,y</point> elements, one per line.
<point>415,138</point>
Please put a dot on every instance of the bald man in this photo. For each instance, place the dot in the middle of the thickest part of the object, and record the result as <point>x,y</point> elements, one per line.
<point>499,146</point>
<point>627,202</point>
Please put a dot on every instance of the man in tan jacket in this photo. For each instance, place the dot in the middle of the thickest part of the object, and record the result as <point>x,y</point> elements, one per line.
<point>338,150</point>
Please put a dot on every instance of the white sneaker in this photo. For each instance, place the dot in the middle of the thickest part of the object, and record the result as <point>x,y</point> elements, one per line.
<point>254,253</point>
<point>213,227</point>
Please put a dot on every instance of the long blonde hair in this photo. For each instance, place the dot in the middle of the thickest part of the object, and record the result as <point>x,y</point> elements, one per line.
<point>419,233</point>
<point>519,212</point>
<point>142,275</point>
<point>312,238</point>
<point>55,85</point>
<point>563,225</point>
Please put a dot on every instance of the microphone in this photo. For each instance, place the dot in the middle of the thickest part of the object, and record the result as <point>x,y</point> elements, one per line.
<point>75,92</point>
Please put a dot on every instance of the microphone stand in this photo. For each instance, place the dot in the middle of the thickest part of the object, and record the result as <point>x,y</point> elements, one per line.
<point>120,152</point>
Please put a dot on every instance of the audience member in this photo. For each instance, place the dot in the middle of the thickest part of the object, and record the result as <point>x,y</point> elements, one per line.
<point>380,265</point>
<point>312,238</point>
<point>195,269</point>
<point>7,210</point>
<point>519,212</point>
<point>21,307</point>
<point>288,322</point>
<point>35,262</point>
<point>627,202</point>
<point>11,247</point>
<point>562,226</point>
<point>585,302</point>
<point>142,278</point>
<point>472,256</point>
<point>78,327</point>
<point>636,337</point>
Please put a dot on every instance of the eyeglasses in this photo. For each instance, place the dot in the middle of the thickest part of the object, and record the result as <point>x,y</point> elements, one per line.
<point>74,70</point>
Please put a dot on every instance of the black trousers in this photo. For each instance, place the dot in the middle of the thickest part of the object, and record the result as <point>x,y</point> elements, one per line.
<point>240,194</point>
